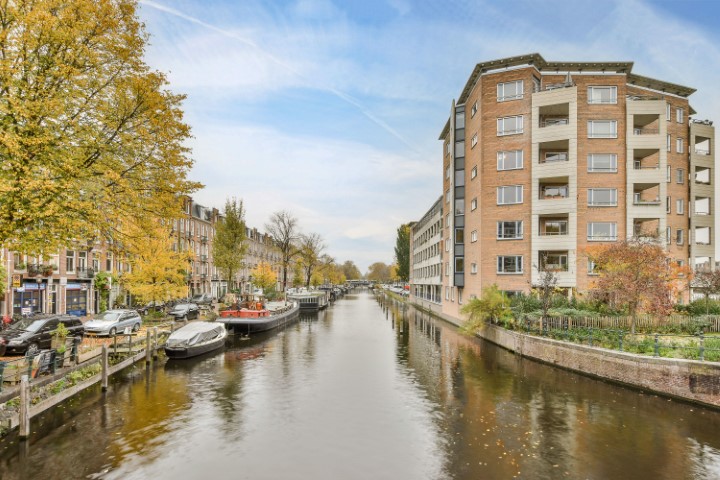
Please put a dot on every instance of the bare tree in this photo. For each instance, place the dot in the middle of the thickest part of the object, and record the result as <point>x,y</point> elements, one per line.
<point>709,283</point>
<point>310,249</point>
<point>284,231</point>
<point>545,286</point>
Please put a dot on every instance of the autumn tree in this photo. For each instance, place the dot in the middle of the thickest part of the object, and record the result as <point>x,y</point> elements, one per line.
<point>158,272</point>
<point>310,248</point>
<point>637,275</point>
<point>283,229</point>
<point>707,281</point>
<point>229,245</point>
<point>402,252</point>
<point>379,272</point>
<point>90,134</point>
<point>351,271</point>
<point>264,277</point>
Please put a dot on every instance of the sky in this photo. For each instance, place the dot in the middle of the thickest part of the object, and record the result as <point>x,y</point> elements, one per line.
<point>332,109</point>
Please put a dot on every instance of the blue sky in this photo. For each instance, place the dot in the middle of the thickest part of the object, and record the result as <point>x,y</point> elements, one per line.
<point>332,109</point>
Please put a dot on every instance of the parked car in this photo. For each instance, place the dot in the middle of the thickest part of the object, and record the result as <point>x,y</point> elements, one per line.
<point>202,299</point>
<point>30,335</point>
<point>185,311</point>
<point>111,322</point>
<point>153,306</point>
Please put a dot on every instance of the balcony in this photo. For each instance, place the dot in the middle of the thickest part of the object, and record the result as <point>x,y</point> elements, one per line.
<point>554,122</point>
<point>553,261</point>
<point>85,273</point>
<point>553,226</point>
<point>646,194</point>
<point>554,86</point>
<point>702,206</point>
<point>702,151</point>
<point>702,176</point>
<point>550,192</point>
<point>646,131</point>
<point>638,199</point>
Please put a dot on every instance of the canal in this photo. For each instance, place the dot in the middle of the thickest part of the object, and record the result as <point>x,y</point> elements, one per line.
<point>365,390</point>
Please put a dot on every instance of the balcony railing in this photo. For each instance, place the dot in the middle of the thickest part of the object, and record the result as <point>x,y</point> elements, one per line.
<point>86,273</point>
<point>702,151</point>
<point>640,98</point>
<point>547,193</point>
<point>555,86</point>
<point>552,122</point>
<point>549,233</point>
<point>609,238</point>
<point>646,201</point>
<point>640,166</point>
<point>645,131</point>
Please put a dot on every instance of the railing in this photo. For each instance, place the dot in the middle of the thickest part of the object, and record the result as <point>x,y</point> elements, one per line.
<point>548,234</point>
<point>640,98</point>
<point>555,86</point>
<point>641,201</point>
<point>702,151</point>
<point>594,332</point>
<point>551,122</point>
<point>640,166</point>
<point>645,131</point>
<point>86,273</point>
<point>599,238</point>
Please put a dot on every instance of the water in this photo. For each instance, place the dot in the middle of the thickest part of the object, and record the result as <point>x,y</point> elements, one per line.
<point>365,391</point>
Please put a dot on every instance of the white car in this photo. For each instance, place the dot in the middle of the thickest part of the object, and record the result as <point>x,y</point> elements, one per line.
<point>112,322</point>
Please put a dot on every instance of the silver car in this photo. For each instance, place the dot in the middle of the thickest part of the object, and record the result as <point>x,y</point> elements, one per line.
<point>111,322</point>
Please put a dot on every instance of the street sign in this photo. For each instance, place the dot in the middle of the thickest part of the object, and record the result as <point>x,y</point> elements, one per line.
<point>17,280</point>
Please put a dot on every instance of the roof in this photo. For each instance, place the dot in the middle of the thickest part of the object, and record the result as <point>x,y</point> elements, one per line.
<point>536,60</point>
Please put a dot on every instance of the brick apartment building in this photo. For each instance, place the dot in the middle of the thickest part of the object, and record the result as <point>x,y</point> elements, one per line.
<point>543,159</point>
<point>426,256</point>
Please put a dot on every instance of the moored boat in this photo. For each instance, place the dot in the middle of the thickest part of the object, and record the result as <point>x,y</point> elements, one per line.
<point>311,300</point>
<point>194,339</point>
<point>244,321</point>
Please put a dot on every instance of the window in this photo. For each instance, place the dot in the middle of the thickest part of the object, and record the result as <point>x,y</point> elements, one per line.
<point>556,157</point>
<point>473,236</point>
<point>96,264</point>
<point>447,245</point>
<point>447,293</point>
<point>69,261</point>
<point>510,160</point>
<point>680,206</point>
<point>512,230</point>
<point>459,235</point>
<point>473,268</point>
<point>602,162</point>
<point>473,204</point>
<point>473,142</point>
<point>668,201</point>
<point>679,145</point>
<point>602,197</point>
<point>509,91</point>
<point>668,175</point>
<point>509,195</point>
<point>668,235</point>
<point>554,262</point>
<point>668,142</point>
<point>602,231</point>
<point>510,264</point>
<point>679,115</point>
<point>602,94</point>
<point>473,173</point>
<point>554,227</point>
<point>602,129</point>
<point>667,112</point>
<point>510,125</point>
<point>460,149</point>
<point>447,196</point>
<point>460,178</point>
<point>680,176</point>
<point>679,236</point>
<point>459,264</point>
<point>447,220</point>
<point>592,268</point>
<point>459,206</point>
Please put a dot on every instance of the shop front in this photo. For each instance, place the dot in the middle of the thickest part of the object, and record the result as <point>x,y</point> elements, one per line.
<point>76,299</point>
<point>28,298</point>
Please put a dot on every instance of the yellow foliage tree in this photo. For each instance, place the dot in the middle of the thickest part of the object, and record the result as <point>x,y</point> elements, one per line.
<point>157,271</point>
<point>89,135</point>
<point>264,277</point>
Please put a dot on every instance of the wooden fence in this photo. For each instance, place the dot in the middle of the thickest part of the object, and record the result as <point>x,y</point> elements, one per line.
<point>710,323</point>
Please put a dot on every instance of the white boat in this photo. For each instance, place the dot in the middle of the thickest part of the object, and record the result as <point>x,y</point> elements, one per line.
<point>194,339</point>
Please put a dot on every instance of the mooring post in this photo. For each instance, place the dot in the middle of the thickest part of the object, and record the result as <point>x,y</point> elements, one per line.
<point>105,368</point>
<point>148,347</point>
<point>155,343</point>
<point>24,407</point>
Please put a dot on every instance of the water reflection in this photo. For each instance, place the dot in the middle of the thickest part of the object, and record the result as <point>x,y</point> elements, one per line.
<point>366,389</point>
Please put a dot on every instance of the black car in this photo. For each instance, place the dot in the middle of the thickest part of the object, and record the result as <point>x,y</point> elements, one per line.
<point>185,311</point>
<point>31,335</point>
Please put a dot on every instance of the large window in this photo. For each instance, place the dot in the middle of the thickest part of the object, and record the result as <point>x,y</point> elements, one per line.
<point>512,230</point>
<point>680,206</point>
<point>510,160</point>
<point>680,115</point>
<point>459,264</point>
<point>602,231</point>
<point>602,197</point>
<point>679,148</point>
<point>602,162</point>
<point>459,206</point>
<point>509,195</point>
<point>510,264</point>
<point>509,91</point>
<point>679,236</point>
<point>69,261</point>
<point>602,129</point>
<point>554,227</point>
<point>602,94</point>
<point>553,262</point>
<point>510,125</point>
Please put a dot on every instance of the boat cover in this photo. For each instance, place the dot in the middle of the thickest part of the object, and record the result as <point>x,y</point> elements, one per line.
<point>195,333</point>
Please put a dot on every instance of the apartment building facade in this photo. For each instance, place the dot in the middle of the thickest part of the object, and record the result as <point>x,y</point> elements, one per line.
<point>426,256</point>
<point>542,160</point>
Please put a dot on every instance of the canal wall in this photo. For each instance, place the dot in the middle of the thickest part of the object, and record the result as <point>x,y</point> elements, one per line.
<point>690,380</point>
